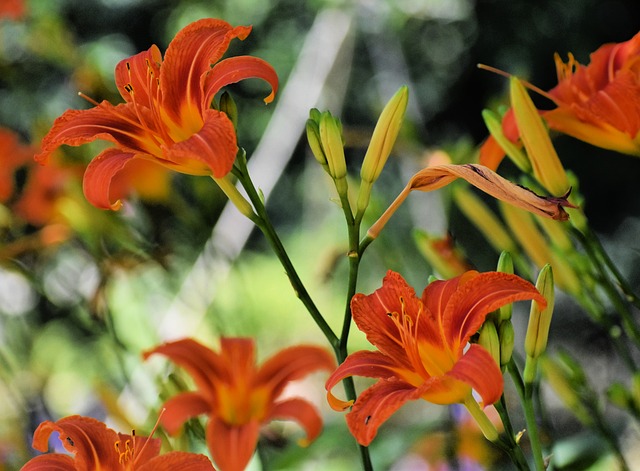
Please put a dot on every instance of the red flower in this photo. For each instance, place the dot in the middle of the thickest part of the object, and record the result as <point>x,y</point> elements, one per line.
<point>239,397</point>
<point>167,117</point>
<point>598,103</point>
<point>97,447</point>
<point>423,350</point>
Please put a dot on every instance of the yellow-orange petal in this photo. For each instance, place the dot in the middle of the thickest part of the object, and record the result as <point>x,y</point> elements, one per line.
<point>212,150</point>
<point>602,135</point>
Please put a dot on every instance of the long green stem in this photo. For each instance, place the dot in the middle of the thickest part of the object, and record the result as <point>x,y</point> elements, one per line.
<point>337,343</point>
<point>525,392</point>
<point>264,224</point>
<point>491,433</point>
<point>512,448</point>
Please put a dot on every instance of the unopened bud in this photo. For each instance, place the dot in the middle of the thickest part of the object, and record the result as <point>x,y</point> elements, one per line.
<point>507,336</point>
<point>228,106</point>
<point>535,342</point>
<point>505,265</point>
<point>547,167</point>
<point>382,140</point>
<point>488,339</point>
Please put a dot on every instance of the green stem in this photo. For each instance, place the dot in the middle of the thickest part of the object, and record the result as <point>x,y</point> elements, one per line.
<point>491,433</point>
<point>597,247</point>
<point>264,224</point>
<point>339,344</point>
<point>601,262</point>
<point>525,392</point>
<point>512,448</point>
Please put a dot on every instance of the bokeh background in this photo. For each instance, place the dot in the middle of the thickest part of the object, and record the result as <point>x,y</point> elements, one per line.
<point>83,291</point>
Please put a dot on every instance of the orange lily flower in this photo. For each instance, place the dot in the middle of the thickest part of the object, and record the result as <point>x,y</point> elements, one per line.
<point>13,155</point>
<point>598,103</point>
<point>422,343</point>
<point>97,447</point>
<point>239,397</point>
<point>167,115</point>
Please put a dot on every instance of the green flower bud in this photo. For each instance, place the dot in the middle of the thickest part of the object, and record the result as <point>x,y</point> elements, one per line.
<point>228,106</point>
<point>493,122</point>
<point>535,342</point>
<point>488,339</point>
<point>507,336</point>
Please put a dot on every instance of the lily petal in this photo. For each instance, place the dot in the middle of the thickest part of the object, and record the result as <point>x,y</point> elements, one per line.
<point>182,407</point>
<point>371,313</point>
<point>119,124</point>
<point>291,364</point>
<point>50,462</point>
<point>211,150</point>
<point>375,405</point>
<point>232,446</point>
<point>371,364</point>
<point>235,69</point>
<point>302,412</point>
<point>99,174</point>
<point>478,369</point>
<point>177,461</point>
<point>602,135</point>
<point>137,77</point>
<point>478,296</point>
<point>203,365</point>
<point>90,440</point>
<point>188,57</point>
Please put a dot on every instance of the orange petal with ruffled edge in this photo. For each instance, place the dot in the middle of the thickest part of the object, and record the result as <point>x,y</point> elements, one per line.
<point>188,57</point>
<point>371,313</point>
<point>232,446</point>
<point>118,124</point>
<point>469,305</point>
<point>375,405</point>
<point>369,364</point>
<point>91,441</point>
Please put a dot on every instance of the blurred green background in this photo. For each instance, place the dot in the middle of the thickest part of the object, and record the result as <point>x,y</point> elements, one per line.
<point>75,315</point>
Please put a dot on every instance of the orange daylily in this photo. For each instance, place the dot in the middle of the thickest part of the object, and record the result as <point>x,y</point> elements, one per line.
<point>13,155</point>
<point>96,447</point>
<point>423,350</point>
<point>598,103</point>
<point>239,397</point>
<point>167,115</point>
